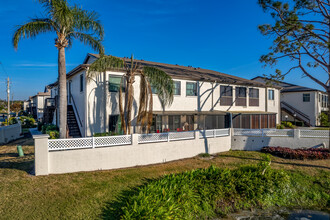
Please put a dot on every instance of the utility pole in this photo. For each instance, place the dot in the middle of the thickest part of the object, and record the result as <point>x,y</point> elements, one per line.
<point>8,100</point>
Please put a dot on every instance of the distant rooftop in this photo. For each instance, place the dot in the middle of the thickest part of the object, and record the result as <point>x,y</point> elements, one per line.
<point>287,87</point>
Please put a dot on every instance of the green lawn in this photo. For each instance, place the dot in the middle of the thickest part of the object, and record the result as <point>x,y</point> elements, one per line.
<point>88,195</point>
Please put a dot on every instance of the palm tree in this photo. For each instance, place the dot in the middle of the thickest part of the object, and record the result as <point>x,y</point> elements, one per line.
<point>69,23</point>
<point>150,77</point>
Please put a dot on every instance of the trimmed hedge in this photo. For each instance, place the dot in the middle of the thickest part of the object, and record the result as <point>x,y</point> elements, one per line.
<point>300,154</point>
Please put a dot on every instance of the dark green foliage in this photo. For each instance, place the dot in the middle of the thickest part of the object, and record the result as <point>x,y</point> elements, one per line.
<point>204,155</point>
<point>105,134</point>
<point>211,192</point>
<point>280,126</point>
<point>27,122</point>
<point>324,118</point>
<point>53,134</point>
<point>51,130</point>
<point>287,124</point>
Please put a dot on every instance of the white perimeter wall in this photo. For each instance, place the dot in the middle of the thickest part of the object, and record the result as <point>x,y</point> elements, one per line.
<point>10,133</point>
<point>67,161</point>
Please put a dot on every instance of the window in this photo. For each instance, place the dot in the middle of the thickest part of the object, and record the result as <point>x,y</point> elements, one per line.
<point>153,90</point>
<point>177,88</point>
<point>191,89</point>
<point>156,125</point>
<point>271,94</point>
<point>81,83</point>
<point>114,84</point>
<point>226,95</point>
<point>113,123</point>
<point>240,96</point>
<point>174,122</point>
<point>253,97</point>
<point>306,97</point>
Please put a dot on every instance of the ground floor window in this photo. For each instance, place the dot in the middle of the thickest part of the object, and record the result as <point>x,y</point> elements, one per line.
<point>254,121</point>
<point>174,122</point>
<point>188,125</point>
<point>156,126</point>
<point>215,121</point>
<point>114,123</point>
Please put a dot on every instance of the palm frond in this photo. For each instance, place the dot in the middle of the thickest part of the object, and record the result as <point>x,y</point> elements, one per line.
<point>105,63</point>
<point>87,21</point>
<point>32,28</point>
<point>162,82</point>
<point>89,40</point>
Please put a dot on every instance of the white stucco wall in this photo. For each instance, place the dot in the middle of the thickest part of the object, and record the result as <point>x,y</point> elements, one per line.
<point>10,133</point>
<point>124,156</point>
<point>295,99</point>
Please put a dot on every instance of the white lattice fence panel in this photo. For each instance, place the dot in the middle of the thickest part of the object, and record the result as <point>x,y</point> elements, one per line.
<point>74,143</point>
<point>314,133</point>
<point>181,135</point>
<point>206,133</point>
<point>112,140</point>
<point>156,137</point>
<point>221,132</point>
<point>277,132</point>
<point>247,132</point>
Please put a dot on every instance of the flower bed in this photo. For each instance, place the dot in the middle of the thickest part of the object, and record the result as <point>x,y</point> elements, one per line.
<point>301,154</point>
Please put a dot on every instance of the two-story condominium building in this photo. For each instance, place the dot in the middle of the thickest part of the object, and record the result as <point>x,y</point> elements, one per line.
<point>299,103</point>
<point>203,99</point>
<point>36,103</point>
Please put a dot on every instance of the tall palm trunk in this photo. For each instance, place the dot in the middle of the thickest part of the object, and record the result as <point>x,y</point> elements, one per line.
<point>62,107</point>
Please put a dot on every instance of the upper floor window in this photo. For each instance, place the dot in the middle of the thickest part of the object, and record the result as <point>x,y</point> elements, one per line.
<point>191,89</point>
<point>226,95</point>
<point>81,83</point>
<point>271,94</point>
<point>177,88</point>
<point>306,97</point>
<point>253,97</point>
<point>114,84</point>
<point>240,96</point>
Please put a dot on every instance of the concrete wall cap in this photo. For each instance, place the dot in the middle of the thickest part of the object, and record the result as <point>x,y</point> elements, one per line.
<point>40,136</point>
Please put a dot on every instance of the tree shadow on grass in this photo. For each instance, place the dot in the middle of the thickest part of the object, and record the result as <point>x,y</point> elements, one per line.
<point>277,162</point>
<point>113,209</point>
<point>25,163</point>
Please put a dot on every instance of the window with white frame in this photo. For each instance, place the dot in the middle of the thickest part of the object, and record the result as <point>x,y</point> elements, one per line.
<point>114,83</point>
<point>271,94</point>
<point>177,88</point>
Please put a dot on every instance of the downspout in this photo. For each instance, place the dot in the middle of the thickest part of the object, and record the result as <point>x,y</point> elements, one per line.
<point>105,94</point>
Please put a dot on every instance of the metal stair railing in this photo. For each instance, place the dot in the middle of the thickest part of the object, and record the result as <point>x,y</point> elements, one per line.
<point>293,110</point>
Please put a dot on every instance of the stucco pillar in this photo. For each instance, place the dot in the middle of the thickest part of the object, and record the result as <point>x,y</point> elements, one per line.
<point>296,133</point>
<point>135,139</point>
<point>41,154</point>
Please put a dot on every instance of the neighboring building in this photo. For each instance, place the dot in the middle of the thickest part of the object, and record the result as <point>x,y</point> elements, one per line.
<point>204,99</point>
<point>36,105</point>
<point>299,103</point>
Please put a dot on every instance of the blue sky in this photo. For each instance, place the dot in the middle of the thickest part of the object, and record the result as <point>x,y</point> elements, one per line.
<point>214,34</point>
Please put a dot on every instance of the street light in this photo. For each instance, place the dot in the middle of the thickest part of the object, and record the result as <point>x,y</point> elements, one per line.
<point>294,116</point>
<point>286,117</point>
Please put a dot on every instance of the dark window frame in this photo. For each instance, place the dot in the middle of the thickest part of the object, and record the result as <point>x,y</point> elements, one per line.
<point>306,97</point>
<point>194,90</point>
<point>240,96</point>
<point>271,94</point>
<point>226,95</point>
<point>253,97</point>
<point>81,80</point>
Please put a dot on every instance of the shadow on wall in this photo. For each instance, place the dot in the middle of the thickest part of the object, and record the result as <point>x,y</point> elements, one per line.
<point>249,143</point>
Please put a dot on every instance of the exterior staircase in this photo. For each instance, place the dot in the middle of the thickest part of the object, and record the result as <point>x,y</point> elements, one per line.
<point>72,123</point>
<point>299,114</point>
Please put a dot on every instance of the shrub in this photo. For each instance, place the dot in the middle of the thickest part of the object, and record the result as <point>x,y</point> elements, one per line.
<point>27,122</point>
<point>13,120</point>
<point>287,124</point>
<point>324,119</point>
<point>206,193</point>
<point>105,134</point>
<point>53,134</point>
<point>280,126</point>
<point>48,127</point>
<point>40,126</point>
<point>301,154</point>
